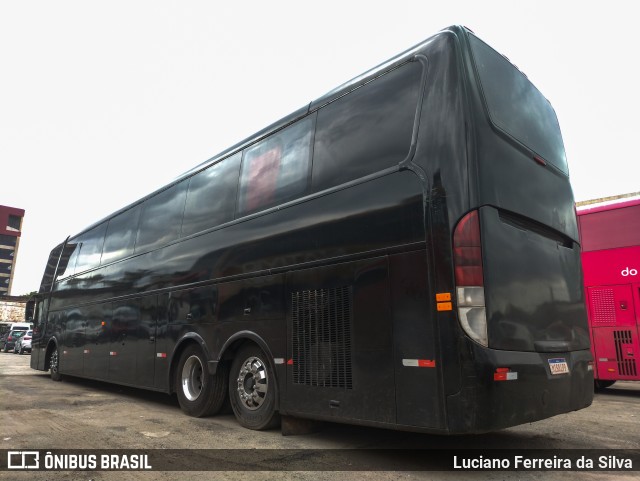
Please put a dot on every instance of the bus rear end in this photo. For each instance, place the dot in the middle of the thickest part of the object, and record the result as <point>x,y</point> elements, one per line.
<point>520,300</point>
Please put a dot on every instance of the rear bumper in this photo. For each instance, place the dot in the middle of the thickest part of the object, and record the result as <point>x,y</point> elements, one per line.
<point>508,388</point>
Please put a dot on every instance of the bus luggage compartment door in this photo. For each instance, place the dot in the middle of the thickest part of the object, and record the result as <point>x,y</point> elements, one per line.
<point>339,342</point>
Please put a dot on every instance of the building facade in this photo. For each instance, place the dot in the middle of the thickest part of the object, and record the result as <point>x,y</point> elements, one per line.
<point>10,230</point>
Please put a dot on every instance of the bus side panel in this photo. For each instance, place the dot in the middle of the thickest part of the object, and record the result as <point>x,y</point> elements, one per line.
<point>340,343</point>
<point>418,387</point>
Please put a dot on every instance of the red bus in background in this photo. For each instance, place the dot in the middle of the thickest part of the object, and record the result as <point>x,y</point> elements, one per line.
<point>610,237</point>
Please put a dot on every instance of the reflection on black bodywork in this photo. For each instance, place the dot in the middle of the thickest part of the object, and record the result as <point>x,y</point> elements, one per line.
<point>535,300</point>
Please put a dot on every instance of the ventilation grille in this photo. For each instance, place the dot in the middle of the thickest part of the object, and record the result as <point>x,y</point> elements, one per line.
<point>626,366</point>
<point>321,340</point>
<point>604,307</point>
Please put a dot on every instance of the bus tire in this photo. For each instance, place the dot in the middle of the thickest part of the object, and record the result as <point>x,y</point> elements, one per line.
<point>600,384</point>
<point>199,393</point>
<point>54,364</point>
<point>252,389</point>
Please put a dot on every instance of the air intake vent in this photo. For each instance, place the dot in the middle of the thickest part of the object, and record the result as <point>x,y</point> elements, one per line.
<point>626,366</point>
<point>321,340</point>
<point>604,308</point>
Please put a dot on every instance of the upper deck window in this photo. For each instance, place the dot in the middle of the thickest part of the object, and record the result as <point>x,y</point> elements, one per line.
<point>367,130</point>
<point>161,218</point>
<point>211,197</point>
<point>517,107</point>
<point>610,229</point>
<point>121,235</point>
<point>90,248</point>
<point>276,169</point>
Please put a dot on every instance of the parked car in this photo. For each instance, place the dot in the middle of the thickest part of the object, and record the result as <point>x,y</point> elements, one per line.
<point>12,338</point>
<point>23,343</point>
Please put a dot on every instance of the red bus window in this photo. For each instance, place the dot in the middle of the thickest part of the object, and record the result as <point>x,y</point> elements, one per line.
<point>261,177</point>
<point>277,169</point>
<point>610,229</point>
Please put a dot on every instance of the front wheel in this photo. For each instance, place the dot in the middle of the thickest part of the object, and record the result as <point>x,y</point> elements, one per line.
<point>199,393</point>
<point>252,389</point>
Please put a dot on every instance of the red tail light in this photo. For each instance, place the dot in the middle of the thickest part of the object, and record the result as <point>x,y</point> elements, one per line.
<point>467,251</point>
<point>467,257</point>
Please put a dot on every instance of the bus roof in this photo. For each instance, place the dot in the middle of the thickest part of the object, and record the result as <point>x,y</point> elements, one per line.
<point>292,117</point>
<point>609,205</point>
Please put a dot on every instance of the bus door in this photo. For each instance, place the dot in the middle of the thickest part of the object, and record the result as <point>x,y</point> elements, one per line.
<point>73,340</point>
<point>96,349</point>
<point>132,348</point>
<point>39,323</point>
<point>614,322</point>
<point>340,342</point>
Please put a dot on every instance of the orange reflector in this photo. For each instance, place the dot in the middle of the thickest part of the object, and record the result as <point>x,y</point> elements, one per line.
<point>443,296</point>
<point>611,369</point>
<point>444,306</point>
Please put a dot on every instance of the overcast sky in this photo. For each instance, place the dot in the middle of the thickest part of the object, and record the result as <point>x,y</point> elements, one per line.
<point>103,102</point>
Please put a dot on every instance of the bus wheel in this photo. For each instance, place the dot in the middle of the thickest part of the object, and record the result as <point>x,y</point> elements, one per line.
<point>199,393</point>
<point>600,384</point>
<point>54,365</point>
<point>252,389</point>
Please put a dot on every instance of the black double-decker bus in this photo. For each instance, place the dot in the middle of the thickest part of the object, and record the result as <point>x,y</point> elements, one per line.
<point>402,252</point>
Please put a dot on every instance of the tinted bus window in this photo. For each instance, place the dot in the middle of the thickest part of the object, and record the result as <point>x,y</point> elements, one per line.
<point>121,235</point>
<point>161,218</point>
<point>517,107</point>
<point>276,169</point>
<point>90,248</point>
<point>610,229</point>
<point>367,130</point>
<point>212,196</point>
<point>50,268</point>
<point>68,259</point>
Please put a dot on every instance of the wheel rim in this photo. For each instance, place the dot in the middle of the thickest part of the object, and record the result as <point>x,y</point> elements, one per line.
<point>54,362</point>
<point>192,378</point>
<point>253,383</point>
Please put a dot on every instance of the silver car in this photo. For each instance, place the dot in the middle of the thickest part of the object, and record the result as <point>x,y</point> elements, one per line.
<point>23,344</point>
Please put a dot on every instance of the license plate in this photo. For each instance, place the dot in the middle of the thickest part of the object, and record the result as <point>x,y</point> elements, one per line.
<point>558,366</point>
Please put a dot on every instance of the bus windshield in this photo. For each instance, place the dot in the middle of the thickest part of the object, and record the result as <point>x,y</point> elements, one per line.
<point>508,92</point>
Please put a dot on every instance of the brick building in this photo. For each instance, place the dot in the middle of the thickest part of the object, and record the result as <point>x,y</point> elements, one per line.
<point>10,229</point>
